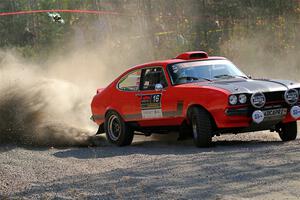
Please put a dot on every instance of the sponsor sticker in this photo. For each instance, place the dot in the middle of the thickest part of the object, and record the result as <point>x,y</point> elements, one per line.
<point>175,68</point>
<point>153,113</point>
<point>151,106</point>
<point>151,101</point>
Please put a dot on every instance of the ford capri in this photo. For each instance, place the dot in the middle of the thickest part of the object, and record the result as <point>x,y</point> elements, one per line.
<point>196,95</point>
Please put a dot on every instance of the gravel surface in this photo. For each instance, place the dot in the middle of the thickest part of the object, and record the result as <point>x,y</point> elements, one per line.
<point>245,166</point>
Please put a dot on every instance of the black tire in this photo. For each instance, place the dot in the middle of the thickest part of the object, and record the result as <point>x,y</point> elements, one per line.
<point>288,131</point>
<point>117,132</point>
<point>202,127</point>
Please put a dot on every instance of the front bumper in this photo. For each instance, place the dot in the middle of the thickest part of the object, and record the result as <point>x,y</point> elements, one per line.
<point>243,116</point>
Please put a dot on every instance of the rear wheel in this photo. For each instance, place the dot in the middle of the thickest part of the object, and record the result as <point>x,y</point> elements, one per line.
<point>201,126</point>
<point>117,131</point>
<point>288,131</point>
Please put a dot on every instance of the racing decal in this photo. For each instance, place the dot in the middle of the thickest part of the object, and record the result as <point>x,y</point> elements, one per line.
<point>151,106</point>
<point>258,116</point>
<point>152,101</point>
<point>295,112</point>
<point>153,113</point>
<point>175,113</point>
<point>175,68</point>
<point>179,108</point>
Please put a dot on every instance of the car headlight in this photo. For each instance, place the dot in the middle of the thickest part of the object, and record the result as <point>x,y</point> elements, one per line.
<point>291,96</point>
<point>233,100</point>
<point>242,98</point>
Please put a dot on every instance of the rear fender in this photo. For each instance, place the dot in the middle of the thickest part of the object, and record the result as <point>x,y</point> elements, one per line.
<point>108,109</point>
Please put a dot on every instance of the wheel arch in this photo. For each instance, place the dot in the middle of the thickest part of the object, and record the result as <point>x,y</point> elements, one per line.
<point>112,110</point>
<point>189,108</point>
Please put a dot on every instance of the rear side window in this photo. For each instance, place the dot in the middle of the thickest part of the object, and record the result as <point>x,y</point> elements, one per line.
<point>131,81</point>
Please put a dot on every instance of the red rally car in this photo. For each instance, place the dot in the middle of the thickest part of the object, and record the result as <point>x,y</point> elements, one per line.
<point>195,95</point>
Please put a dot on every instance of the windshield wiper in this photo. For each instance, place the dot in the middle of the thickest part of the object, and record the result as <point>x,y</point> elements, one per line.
<point>240,76</point>
<point>224,76</point>
<point>204,79</point>
<point>230,76</point>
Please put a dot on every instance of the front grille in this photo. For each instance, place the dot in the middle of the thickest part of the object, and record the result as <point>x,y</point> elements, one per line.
<point>274,96</point>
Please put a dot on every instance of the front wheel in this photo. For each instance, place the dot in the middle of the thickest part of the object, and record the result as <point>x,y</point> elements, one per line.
<point>117,131</point>
<point>288,131</point>
<point>202,127</point>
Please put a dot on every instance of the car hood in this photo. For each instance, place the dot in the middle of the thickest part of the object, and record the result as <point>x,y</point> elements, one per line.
<point>240,85</point>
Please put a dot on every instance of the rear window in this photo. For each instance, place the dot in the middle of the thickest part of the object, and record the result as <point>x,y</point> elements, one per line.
<point>131,81</point>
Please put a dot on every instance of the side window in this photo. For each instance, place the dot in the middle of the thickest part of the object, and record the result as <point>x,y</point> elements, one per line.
<point>131,81</point>
<point>151,77</point>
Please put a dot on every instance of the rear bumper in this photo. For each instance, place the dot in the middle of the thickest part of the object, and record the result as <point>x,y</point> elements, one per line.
<point>99,119</point>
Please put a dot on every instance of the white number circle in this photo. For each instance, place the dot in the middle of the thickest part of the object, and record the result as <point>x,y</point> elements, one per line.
<point>258,116</point>
<point>295,112</point>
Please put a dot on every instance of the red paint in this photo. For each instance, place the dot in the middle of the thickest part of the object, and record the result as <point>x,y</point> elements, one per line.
<point>146,97</point>
<point>192,55</point>
<point>214,100</point>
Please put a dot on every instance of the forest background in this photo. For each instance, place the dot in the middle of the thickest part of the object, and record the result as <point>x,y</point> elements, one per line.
<point>258,35</point>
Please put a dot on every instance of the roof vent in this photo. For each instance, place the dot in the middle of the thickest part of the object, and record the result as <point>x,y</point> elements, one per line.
<point>192,55</point>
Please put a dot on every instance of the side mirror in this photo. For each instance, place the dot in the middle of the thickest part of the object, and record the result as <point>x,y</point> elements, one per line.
<point>249,76</point>
<point>159,87</point>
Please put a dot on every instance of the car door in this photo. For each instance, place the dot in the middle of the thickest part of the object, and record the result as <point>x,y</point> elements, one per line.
<point>155,98</point>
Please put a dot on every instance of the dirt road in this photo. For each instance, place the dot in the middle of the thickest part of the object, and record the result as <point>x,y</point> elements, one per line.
<point>245,166</point>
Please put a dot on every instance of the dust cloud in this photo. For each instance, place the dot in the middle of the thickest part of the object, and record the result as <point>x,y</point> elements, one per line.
<point>38,110</point>
<point>47,102</point>
<point>258,57</point>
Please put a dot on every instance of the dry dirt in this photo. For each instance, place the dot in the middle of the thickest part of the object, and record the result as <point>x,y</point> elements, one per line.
<point>246,166</point>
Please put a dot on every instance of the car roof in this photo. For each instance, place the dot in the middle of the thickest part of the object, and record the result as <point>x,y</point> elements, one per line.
<point>183,57</point>
<point>164,63</point>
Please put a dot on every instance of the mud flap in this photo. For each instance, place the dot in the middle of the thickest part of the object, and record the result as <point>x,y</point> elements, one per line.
<point>100,129</point>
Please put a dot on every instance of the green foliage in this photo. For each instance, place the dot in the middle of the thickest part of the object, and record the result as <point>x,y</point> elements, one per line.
<point>171,26</point>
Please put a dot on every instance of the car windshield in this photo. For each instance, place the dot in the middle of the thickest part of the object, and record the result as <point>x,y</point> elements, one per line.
<point>208,70</point>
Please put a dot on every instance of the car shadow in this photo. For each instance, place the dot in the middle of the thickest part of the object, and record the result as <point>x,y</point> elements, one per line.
<point>167,148</point>
<point>91,141</point>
